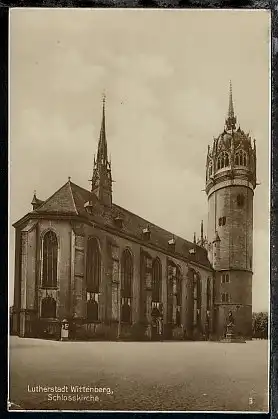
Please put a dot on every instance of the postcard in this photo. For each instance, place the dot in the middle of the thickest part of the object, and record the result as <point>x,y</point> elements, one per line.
<point>139,202</point>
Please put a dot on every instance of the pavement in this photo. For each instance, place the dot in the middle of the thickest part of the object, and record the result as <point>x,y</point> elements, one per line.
<point>138,376</point>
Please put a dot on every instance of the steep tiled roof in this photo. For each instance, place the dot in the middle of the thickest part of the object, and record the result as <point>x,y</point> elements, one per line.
<point>70,199</point>
<point>61,202</point>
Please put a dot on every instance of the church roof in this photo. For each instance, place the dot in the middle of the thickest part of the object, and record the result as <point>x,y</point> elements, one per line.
<point>72,199</point>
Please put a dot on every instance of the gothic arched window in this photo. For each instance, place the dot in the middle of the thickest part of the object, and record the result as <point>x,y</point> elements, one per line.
<point>93,265</point>
<point>223,160</point>
<point>178,297</point>
<point>93,273</point>
<point>241,158</point>
<point>126,288</point>
<point>156,281</point>
<point>50,260</point>
<point>208,294</point>
<point>171,291</point>
<point>48,308</point>
<point>197,295</point>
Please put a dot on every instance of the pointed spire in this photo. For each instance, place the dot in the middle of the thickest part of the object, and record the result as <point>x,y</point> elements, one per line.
<point>231,119</point>
<point>102,144</point>
<point>202,233</point>
<point>194,238</point>
<point>101,180</point>
<point>35,201</point>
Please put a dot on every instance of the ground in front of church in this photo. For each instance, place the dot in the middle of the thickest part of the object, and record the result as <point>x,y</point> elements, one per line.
<point>159,376</point>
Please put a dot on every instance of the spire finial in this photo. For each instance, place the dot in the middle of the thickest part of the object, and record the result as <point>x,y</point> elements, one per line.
<point>231,119</point>
<point>103,100</point>
<point>231,105</point>
<point>194,238</point>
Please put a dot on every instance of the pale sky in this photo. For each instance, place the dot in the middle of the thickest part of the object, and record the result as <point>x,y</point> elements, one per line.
<point>166,76</point>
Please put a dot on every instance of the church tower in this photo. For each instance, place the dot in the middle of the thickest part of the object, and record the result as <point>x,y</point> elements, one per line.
<point>230,185</point>
<point>102,180</point>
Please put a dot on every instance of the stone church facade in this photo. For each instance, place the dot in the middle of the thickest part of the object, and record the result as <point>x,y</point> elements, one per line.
<point>113,275</point>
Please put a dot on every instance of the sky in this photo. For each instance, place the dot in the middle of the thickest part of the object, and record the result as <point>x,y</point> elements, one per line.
<point>166,77</point>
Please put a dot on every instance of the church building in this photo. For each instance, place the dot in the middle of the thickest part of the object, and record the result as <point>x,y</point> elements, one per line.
<point>114,275</point>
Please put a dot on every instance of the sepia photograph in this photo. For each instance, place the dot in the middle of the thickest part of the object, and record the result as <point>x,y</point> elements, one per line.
<point>139,210</point>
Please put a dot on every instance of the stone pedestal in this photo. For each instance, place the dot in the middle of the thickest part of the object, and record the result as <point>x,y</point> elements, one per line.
<point>231,337</point>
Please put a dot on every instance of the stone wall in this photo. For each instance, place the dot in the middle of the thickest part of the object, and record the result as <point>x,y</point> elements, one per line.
<point>70,294</point>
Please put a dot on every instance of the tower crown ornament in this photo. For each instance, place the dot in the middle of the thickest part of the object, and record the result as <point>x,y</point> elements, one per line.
<point>232,154</point>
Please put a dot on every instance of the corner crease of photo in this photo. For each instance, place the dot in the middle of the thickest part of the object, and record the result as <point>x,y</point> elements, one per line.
<point>139,210</point>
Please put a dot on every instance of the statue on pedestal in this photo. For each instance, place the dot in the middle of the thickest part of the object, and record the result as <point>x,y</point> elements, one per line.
<point>230,325</point>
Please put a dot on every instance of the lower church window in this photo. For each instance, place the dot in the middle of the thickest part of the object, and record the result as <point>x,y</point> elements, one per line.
<point>48,308</point>
<point>92,306</point>
<point>126,286</point>
<point>178,316</point>
<point>49,260</point>
<point>197,300</point>
<point>126,310</point>
<point>93,276</point>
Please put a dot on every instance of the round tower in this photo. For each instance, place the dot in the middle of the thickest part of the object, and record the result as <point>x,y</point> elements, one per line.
<point>230,185</point>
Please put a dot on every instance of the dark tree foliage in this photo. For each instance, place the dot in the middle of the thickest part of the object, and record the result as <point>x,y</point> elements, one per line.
<point>260,325</point>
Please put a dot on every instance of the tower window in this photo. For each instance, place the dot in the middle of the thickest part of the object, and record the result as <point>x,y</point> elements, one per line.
<point>225,297</point>
<point>240,200</point>
<point>223,160</point>
<point>241,158</point>
<point>222,221</point>
<point>225,278</point>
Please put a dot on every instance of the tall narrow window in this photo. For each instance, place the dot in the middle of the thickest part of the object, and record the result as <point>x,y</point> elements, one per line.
<point>197,300</point>
<point>208,294</point>
<point>178,297</point>
<point>241,158</point>
<point>225,297</point>
<point>48,308</point>
<point>223,160</point>
<point>156,281</point>
<point>126,288</point>
<point>93,271</point>
<point>171,290</point>
<point>50,259</point>
<point>225,278</point>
